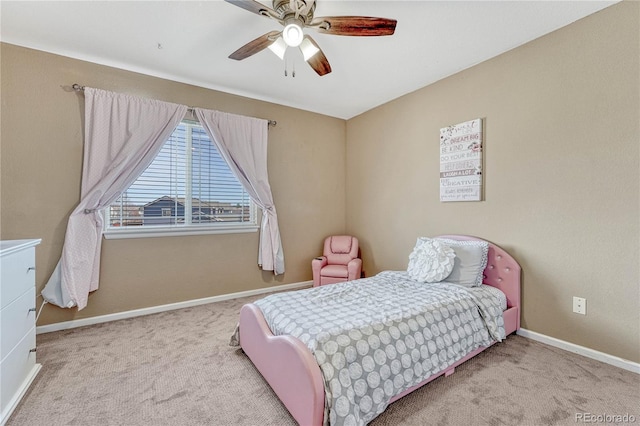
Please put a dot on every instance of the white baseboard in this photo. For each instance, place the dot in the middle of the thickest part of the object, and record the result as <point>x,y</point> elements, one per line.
<point>163,308</point>
<point>581,350</point>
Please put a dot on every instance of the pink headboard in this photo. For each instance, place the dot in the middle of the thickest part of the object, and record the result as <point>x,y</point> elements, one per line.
<point>502,270</point>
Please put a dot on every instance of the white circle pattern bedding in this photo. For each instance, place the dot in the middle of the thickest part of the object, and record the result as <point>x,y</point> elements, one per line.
<point>376,337</point>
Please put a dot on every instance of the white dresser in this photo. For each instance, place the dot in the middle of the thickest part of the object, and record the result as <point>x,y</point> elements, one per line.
<point>18,365</point>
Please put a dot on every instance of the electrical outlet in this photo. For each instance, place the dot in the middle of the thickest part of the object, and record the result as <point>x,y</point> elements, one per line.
<point>580,305</point>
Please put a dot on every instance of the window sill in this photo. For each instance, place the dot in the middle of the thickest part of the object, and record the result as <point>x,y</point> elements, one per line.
<point>175,231</point>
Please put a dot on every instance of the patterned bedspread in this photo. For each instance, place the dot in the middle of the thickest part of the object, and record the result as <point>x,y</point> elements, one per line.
<point>376,337</point>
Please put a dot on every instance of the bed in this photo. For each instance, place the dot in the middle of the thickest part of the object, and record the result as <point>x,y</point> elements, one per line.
<point>293,372</point>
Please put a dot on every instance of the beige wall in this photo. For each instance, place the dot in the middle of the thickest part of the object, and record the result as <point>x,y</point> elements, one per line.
<point>561,179</point>
<point>41,167</point>
<point>561,175</point>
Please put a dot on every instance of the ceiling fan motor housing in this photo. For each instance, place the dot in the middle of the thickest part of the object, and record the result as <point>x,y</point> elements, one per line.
<point>283,8</point>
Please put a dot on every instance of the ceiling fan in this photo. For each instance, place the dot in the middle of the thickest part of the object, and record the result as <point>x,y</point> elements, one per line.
<point>295,15</point>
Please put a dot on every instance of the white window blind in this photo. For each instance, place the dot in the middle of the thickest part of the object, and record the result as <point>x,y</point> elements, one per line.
<point>187,186</point>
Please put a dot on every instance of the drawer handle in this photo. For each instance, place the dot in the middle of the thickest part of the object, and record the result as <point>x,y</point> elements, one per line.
<point>32,310</point>
<point>33,350</point>
<point>31,268</point>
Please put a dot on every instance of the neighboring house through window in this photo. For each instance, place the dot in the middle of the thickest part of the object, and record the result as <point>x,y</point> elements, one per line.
<point>187,189</point>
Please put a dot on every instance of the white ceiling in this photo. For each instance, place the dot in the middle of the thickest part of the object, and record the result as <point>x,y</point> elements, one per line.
<point>433,39</point>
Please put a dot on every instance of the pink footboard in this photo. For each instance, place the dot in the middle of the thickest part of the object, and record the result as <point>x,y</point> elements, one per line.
<point>293,373</point>
<point>286,364</point>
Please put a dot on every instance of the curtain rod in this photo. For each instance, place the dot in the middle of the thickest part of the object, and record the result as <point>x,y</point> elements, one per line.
<point>79,88</point>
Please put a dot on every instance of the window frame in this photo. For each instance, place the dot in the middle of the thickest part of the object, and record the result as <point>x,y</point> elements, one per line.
<point>152,231</point>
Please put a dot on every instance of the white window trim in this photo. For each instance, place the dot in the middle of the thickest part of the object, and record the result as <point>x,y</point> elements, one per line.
<point>178,231</point>
<point>151,231</point>
<point>182,230</point>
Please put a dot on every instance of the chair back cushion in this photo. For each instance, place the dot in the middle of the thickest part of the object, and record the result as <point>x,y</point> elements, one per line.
<point>340,249</point>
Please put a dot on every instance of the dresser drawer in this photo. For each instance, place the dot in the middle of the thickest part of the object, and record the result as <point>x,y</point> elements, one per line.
<point>17,319</point>
<point>16,369</point>
<point>17,275</point>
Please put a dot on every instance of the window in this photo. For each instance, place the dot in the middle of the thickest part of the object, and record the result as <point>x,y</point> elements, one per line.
<point>187,189</point>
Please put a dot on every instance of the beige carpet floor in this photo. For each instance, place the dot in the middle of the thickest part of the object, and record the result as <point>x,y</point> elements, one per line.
<point>176,368</point>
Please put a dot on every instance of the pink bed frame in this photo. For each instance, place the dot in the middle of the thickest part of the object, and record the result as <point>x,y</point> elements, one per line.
<point>293,373</point>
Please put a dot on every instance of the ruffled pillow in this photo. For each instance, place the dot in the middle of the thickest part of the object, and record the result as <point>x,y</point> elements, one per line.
<point>430,261</point>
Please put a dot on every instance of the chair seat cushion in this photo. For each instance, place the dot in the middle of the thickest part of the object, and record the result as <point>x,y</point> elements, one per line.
<point>336,271</point>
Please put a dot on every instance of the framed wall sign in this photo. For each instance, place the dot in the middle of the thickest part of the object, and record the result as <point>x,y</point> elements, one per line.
<point>461,162</point>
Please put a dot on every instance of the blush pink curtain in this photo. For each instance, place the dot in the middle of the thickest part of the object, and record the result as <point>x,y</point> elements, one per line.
<point>123,134</point>
<point>242,141</point>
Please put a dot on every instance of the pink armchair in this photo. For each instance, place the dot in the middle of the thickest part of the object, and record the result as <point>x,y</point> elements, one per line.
<point>339,262</point>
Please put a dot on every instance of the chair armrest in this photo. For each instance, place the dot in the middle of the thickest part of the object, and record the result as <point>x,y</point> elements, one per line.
<point>319,262</point>
<point>316,265</point>
<point>354,268</point>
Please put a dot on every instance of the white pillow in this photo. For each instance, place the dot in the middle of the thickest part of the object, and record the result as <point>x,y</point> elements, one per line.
<point>471,259</point>
<point>430,261</point>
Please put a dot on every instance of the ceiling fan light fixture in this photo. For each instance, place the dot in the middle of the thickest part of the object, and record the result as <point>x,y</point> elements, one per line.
<point>292,35</point>
<point>279,47</point>
<point>308,49</point>
<point>295,16</point>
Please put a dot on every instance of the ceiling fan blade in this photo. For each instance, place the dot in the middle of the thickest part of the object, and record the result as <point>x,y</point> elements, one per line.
<point>255,46</point>
<point>317,61</point>
<point>354,25</point>
<point>254,6</point>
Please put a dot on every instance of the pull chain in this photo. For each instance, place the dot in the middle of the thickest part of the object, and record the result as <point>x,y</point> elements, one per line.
<point>286,61</point>
<point>293,67</point>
